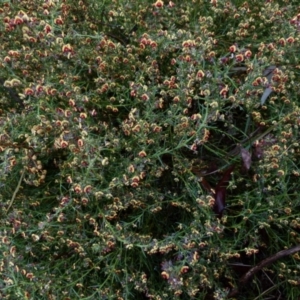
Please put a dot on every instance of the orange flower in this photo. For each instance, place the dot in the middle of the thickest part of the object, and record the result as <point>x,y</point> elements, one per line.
<point>67,48</point>
<point>142,154</point>
<point>232,48</point>
<point>158,4</point>
<point>248,53</point>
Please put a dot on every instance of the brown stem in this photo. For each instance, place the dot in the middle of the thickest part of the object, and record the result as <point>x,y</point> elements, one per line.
<point>263,264</point>
<point>268,261</point>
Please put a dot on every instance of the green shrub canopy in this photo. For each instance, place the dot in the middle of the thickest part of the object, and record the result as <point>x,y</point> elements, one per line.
<point>148,150</point>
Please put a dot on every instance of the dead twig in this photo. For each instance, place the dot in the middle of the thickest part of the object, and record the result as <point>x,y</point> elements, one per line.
<point>268,261</point>
<point>16,191</point>
<point>263,264</point>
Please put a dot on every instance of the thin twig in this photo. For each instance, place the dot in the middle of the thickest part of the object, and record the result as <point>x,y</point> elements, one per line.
<point>268,261</point>
<point>16,191</point>
<point>263,264</point>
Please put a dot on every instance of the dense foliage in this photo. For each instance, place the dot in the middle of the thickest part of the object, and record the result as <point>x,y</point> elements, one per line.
<point>127,126</point>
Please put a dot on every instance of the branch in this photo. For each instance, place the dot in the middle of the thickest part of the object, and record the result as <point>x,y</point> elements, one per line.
<point>263,264</point>
<point>16,191</point>
<point>268,261</point>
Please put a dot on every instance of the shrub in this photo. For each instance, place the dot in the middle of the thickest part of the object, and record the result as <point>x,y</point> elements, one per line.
<point>124,126</point>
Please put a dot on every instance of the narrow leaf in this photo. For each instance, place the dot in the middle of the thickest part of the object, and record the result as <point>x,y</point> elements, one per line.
<point>246,157</point>
<point>265,95</point>
<point>220,194</point>
<point>206,185</point>
<point>268,72</point>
